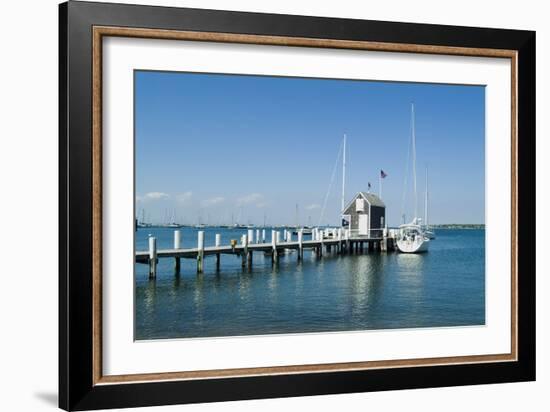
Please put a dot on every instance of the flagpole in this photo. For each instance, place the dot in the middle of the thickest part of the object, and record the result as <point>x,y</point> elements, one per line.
<point>380,184</point>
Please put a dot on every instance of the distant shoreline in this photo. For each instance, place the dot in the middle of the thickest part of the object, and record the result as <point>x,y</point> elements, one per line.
<point>458,226</point>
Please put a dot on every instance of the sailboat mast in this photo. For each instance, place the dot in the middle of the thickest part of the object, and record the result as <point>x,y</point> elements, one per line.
<point>426,200</point>
<point>414,162</point>
<point>344,176</point>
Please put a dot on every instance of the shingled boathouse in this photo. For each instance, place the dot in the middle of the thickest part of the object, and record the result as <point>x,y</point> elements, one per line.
<point>365,215</point>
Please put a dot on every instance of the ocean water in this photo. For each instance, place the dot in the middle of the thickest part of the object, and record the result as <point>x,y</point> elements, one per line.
<point>444,287</point>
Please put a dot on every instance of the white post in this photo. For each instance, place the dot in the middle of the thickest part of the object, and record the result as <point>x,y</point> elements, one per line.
<point>152,257</point>
<point>285,232</point>
<point>250,235</point>
<point>257,235</point>
<point>200,253</point>
<point>289,236</point>
<point>263,235</point>
<point>274,246</point>
<point>177,239</point>
<point>218,239</point>
<point>278,236</point>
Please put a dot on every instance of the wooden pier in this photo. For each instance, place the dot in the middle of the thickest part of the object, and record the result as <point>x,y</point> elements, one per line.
<point>328,240</point>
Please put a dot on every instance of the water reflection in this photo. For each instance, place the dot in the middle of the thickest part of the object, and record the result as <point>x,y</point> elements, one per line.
<point>244,285</point>
<point>332,293</point>
<point>411,270</point>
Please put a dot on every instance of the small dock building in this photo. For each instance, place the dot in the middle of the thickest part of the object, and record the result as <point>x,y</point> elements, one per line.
<point>365,215</point>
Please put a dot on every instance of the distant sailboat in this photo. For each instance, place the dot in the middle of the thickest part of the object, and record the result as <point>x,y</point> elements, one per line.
<point>306,230</point>
<point>142,222</point>
<point>411,237</point>
<point>172,221</point>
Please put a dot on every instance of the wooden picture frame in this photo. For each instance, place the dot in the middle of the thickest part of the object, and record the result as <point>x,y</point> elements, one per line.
<point>81,382</point>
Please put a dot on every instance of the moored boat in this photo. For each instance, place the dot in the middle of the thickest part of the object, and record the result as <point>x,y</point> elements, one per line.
<point>412,237</point>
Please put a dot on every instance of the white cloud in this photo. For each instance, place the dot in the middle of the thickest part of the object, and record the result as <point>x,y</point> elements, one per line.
<point>313,206</point>
<point>152,196</point>
<point>253,198</point>
<point>213,201</point>
<point>184,197</point>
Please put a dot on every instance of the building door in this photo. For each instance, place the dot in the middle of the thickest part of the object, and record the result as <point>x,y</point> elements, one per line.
<point>363,224</point>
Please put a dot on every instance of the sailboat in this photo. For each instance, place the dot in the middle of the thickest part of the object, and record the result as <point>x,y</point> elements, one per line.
<point>412,237</point>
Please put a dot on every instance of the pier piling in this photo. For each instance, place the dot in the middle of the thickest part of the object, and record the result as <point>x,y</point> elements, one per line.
<point>218,244</point>
<point>274,246</point>
<point>152,257</point>
<point>300,244</point>
<point>244,253</point>
<point>177,245</point>
<point>200,253</point>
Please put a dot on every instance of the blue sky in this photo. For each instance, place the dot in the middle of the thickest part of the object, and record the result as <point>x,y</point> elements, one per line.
<point>220,148</point>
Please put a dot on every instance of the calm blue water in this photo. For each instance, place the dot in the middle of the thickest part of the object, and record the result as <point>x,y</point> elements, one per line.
<point>444,287</point>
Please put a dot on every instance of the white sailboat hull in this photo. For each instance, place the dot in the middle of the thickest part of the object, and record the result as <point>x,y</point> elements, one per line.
<point>418,245</point>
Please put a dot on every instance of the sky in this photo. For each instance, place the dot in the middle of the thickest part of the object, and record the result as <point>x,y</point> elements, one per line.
<point>222,149</point>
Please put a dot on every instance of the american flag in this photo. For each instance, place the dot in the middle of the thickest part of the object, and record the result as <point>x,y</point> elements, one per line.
<point>369,186</point>
<point>382,174</point>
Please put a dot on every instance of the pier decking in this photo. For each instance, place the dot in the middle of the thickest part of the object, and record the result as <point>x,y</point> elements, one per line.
<point>329,240</point>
